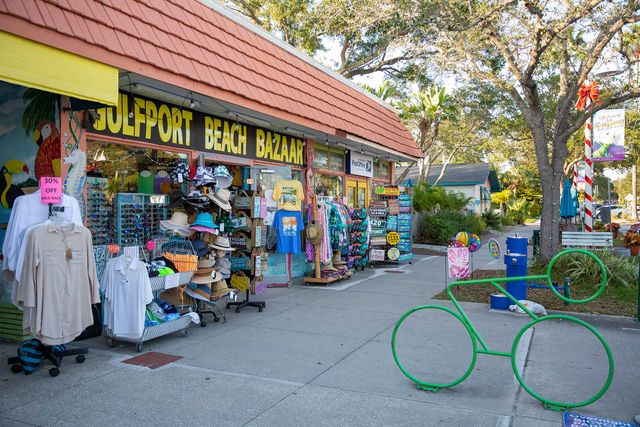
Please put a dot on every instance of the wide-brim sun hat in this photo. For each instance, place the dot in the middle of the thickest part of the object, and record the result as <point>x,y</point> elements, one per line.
<point>221,198</point>
<point>176,297</point>
<point>222,263</point>
<point>222,244</point>
<point>204,223</point>
<point>202,276</point>
<point>215,276</point>
<point>179,222</point>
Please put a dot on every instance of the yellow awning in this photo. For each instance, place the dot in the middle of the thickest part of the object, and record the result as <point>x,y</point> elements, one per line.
<point>32,64</point>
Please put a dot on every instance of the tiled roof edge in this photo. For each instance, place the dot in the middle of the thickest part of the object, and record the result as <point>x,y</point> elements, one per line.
<point>241,20</point>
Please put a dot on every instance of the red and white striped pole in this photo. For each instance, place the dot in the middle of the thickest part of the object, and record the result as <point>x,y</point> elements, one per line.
<point>588,174</point>
<point>587,94</point>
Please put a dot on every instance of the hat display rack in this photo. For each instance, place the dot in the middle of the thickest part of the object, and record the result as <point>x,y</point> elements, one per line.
<point>209,199</point>
<point>157,286</point>
<point>250,252</point>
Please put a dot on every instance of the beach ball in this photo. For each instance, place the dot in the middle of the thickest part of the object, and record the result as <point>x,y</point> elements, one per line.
<point>463,237</point>
<point>475,243</point>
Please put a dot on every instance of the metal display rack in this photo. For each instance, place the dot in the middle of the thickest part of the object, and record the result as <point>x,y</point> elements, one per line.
<point>100,218</point>
<point>151,332</point>
<point>383,222</point>
<point>138,216</point>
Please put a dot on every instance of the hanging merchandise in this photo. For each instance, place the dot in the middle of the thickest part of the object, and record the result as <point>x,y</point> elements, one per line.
<point>178,223</point>
<point>221,198</point>
<point>222,177</point>
<point>359,225</point>
<point>204,224</point>
<point>288,225</point>
<point>289,195</point>
<point>127,291</point>
<point>242,200</point>
<point>180,173</point>
<point>204,176</point>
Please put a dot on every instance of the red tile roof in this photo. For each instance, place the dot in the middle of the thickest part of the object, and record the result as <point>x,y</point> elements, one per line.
<point>186,43</point>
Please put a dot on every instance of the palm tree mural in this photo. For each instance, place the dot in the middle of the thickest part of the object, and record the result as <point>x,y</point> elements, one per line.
<point>39,118</point>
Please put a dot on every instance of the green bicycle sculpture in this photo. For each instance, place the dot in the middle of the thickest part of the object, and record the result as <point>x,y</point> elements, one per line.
<point>480,346</point>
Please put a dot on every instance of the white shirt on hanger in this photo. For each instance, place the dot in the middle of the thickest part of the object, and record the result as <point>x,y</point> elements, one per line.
<point>28,210</point>
<point>127,291</point>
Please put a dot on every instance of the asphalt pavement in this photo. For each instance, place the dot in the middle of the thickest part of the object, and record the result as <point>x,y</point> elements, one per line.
<point>321,356</point>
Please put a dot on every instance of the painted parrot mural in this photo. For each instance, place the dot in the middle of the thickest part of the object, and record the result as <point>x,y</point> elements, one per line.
<point>48,162</point>
<point>8,191</point>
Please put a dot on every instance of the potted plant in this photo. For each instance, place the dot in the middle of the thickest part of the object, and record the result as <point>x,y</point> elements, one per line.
<point>615,229</point>
<point>632,239</point>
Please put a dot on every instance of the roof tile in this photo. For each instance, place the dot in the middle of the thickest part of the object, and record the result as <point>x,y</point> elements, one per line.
<point>192,40</point>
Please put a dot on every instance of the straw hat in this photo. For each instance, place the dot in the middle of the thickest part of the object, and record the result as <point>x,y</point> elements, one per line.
<point>219,289</point>
<point>179,222</point>
<point>222,244</point>
<point>176,297</point>
<point>314,232</point>
<point>221,198</point>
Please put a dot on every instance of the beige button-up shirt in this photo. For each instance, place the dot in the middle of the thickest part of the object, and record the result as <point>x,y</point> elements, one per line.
<point>60,288</point>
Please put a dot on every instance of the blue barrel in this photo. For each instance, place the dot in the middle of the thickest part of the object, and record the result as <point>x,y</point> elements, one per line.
<point>516,267</point>
<point>517,244</point>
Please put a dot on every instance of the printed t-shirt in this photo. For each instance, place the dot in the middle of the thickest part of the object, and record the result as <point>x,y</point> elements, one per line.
<point>289,194</point>
<point>288,224</point>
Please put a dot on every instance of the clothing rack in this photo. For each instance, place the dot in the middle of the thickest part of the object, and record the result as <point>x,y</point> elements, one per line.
<point>50,353</point>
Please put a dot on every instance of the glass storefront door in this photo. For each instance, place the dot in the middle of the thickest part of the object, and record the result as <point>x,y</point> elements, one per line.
<point>357,194</point>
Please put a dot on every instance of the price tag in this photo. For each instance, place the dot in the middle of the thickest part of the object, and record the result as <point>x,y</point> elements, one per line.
<point>172,281</point>
<point>50,190</point>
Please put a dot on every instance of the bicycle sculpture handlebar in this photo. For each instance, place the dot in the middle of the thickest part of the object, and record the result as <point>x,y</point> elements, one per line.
<point>483,348</point>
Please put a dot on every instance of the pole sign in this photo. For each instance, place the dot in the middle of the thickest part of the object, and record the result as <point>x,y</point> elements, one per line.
<point>608,135</point>
<point>50,190</point>
<point>169,125</point>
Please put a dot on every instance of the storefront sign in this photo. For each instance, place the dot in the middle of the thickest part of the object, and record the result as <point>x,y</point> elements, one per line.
<point>359,164</point>
<point>608,135</point>
<point>376,254</point>
<point>387,191</point>
<point>169,125</point>
<point>51,189</point>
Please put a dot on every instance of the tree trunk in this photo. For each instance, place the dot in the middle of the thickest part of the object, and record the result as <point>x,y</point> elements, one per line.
<point>550,218</point>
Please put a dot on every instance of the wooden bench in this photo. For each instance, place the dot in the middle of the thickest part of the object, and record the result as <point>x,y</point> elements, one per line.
<point>582,239</point>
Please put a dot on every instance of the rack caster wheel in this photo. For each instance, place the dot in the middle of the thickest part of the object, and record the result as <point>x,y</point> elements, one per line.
<point>184,332</point>
<point>16,369</point>
<point>139,348</point>
<point>216,320</point>
<point>111,343</point>
<point>203,324</point>
<point>238,310</point>
<point>54,372</point>
<point>80,358</point>
<point>260,309</point>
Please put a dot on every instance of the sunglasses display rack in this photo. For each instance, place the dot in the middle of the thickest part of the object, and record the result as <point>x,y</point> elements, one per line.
<point>100,218</point>
<point>358,255</point>
<point>138,217</point>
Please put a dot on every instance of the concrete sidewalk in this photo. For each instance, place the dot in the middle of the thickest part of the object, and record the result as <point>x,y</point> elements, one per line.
<point>322,356</point>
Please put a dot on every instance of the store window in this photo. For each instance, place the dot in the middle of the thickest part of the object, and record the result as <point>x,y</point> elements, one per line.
<point>381,169</point>
<point>328,158</point>
<point>328,185</point>
<point>126,188</point>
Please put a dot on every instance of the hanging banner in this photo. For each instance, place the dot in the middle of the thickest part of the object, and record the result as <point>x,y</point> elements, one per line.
<point>608,135</point>
<point>170,125</point>
<point>458,259</point>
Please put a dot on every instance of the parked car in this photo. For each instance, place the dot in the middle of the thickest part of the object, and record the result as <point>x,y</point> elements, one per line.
<point>616,211</point>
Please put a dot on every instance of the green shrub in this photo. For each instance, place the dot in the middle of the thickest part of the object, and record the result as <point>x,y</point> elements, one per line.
<point>506,220</point>
<point>492,219</point>
<point>518,210</point>
<point>622,273</point>
<point>535,209</point>
<point>427,198</point>
<point>441,227</point>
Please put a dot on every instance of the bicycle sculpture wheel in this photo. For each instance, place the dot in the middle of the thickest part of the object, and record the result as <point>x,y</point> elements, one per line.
<point>479,346</point>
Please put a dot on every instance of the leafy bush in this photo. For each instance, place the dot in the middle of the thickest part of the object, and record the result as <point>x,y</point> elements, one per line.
<point>427,199</point>
<point>492,219</point>
<point>518,210</point>
<point>506,220</point>
<point>535,209</point>
<point>622,273</point>
<point>442,226</point>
